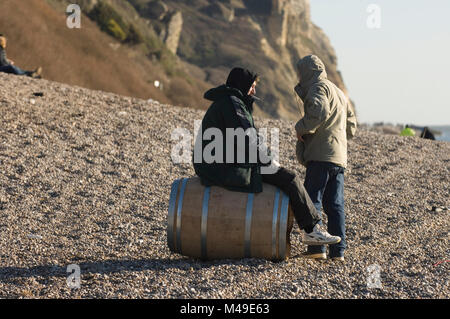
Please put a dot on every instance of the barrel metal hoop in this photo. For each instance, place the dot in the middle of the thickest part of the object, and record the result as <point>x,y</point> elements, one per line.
<point>179,208</point>
<point>248,225</point>
<point>283,226</point>
<point>274,223</point>
<point>204,223</point>
<point>171,216</point>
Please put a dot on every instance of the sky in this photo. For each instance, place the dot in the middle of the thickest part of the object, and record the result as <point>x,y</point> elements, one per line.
<point>394,57</point>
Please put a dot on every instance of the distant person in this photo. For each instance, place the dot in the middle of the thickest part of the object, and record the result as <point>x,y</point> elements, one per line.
<point>427,134</point>
<point>7,66</point>
<point>407,131</point>
<point>322,133</point>
<point>232,108</point>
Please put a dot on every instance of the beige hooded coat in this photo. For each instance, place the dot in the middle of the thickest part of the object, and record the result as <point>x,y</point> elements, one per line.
<point>329,119</point>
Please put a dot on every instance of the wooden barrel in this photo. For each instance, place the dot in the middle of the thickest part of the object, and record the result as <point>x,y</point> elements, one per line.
<point>214,223</point>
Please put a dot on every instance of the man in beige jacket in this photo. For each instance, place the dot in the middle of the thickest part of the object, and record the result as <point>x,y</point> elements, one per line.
<point>322,132</point>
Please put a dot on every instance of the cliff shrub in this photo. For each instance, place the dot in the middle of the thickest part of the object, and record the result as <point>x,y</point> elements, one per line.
<point>115,30</point>
<point>111,22</point>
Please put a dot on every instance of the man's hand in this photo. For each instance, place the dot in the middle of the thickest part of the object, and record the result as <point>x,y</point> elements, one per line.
<point>11,62</point>
<point>300,138</point>
<point>275,163</point>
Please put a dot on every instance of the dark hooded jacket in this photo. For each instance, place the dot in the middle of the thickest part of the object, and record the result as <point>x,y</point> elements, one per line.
<point>233,110</point>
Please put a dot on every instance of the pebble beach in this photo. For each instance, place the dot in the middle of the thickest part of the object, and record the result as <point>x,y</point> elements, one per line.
<point>85,180</point>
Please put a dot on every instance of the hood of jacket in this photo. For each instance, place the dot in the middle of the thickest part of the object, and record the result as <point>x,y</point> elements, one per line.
<point>311,70</point>
<point>241,79</point>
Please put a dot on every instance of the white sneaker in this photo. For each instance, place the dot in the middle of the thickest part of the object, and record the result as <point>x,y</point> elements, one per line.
<point>319,237</point>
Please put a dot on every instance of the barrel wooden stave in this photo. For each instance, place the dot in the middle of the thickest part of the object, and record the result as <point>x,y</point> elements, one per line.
<point>225,234</point>
<point>191,219</point>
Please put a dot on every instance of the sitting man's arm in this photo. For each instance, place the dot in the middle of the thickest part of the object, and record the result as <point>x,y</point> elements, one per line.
<point>256,141</point>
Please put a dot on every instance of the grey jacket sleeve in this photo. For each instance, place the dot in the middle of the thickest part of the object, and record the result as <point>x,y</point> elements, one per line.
<point>351,121</point>
<point>317,109</point>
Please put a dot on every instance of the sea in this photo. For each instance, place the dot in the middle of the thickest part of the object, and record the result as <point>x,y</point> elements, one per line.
<point>445,130</point>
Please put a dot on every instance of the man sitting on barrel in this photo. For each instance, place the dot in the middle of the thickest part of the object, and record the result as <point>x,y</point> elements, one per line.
<point>232,108</point>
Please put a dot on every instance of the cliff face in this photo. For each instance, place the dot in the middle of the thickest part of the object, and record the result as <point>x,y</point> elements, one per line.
<point>186,45</point>
<point>293,35</point>
<point>268,36</point>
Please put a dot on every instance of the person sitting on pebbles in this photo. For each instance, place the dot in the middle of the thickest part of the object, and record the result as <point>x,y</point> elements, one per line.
<point>7,66</point>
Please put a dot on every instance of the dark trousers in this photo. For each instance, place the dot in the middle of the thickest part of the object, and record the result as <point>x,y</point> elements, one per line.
<point>324,183</point>
<point>303,208</point>
<point>12,69</point>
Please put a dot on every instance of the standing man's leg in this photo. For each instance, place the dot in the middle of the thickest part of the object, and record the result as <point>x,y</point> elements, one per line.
<point>334,207</point>
<point>315,184</point>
